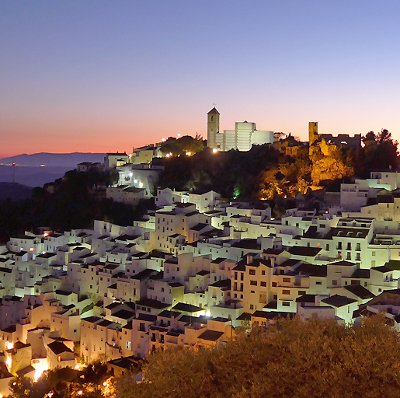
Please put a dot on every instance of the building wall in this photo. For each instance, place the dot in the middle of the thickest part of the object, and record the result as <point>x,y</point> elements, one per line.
<point>212,128</point>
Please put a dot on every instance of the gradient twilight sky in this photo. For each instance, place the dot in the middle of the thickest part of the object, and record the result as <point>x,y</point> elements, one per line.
<point>102,75</point>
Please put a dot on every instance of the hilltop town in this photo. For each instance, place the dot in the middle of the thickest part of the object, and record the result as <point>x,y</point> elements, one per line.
<point>199,266</point>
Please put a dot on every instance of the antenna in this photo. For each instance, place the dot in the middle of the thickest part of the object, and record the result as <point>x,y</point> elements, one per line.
<point>13,177</point>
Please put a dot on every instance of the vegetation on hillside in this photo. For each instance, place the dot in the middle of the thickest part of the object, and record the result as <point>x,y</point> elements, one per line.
<point>265,172</point>
<point>183,145</point>
<point>295,358</point>
<point>73,201</point>
<point>15,191</point>
<point>224,172</point>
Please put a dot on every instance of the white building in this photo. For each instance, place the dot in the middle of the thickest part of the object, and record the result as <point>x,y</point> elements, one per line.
<point>115,159</point>
<point>242,138</point>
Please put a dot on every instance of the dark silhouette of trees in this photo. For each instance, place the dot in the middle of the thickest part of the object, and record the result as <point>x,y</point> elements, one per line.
<point>314,358</point>
<point>223,172</point>
<point>379,153</point>
<point>73,201</point>
<point>183,145</point>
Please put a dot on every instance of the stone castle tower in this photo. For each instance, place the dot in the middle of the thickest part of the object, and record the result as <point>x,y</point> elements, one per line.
<point>312,132</point>
<point>212,127</point>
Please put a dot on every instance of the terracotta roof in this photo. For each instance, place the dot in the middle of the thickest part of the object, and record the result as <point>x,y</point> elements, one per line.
<point>360,291</point>
<point>213,111</point>
<point>187,307</point>
<point>338,301</point>
<point>304,251</point>
<point>211,335</point>
<point>58,347</point>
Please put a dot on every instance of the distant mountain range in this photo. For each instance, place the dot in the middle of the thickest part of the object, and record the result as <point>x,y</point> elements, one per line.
<point>40,168</point>
<point>53,159</point>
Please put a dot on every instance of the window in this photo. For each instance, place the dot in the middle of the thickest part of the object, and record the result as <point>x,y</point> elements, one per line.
<point>285,291</point>
<point>252,271</point>
<point>334,283</point>
<point>286,279</point>
<point>286,303</point>
<point>273,284</point>
<point>318,283</point>
<point>253,283</point>
<point>263,284</point>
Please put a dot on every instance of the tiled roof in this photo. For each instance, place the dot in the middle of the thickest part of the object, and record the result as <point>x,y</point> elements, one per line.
<point>211,335</point>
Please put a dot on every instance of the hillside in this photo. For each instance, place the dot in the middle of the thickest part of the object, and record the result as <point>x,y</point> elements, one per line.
<point>282,170</point>
<point>73,202</point>
<point>9,190</point>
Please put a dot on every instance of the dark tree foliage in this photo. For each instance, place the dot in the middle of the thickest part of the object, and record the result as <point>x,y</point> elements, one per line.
<point>73,201</point>
<point>222,172</point>
<point>178,146</point>
<point>302,359</point>
<point>380,152</point>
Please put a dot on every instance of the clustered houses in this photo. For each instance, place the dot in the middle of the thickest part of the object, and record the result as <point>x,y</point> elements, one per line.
<point>189,274</point>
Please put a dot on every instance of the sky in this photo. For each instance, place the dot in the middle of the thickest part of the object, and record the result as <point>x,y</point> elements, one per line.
<point>101,75</point>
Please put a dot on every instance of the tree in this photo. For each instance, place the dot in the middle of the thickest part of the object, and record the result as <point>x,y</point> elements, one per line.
<point>380,152</point>
<point>294,358</point>
<point>183,145</point>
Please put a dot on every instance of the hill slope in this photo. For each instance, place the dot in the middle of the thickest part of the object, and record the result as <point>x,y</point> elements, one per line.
<point>9,190</point>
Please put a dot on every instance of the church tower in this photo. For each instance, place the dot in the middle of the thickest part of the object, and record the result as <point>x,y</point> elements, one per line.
<point>212,127</point>
<point>312,132</point>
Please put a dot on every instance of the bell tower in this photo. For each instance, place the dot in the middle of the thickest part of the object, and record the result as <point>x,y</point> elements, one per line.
<point>312,132</point>
<point>212,127</point>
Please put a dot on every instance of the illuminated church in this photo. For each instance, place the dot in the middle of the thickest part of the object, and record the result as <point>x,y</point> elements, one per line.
<point>242,138</point>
